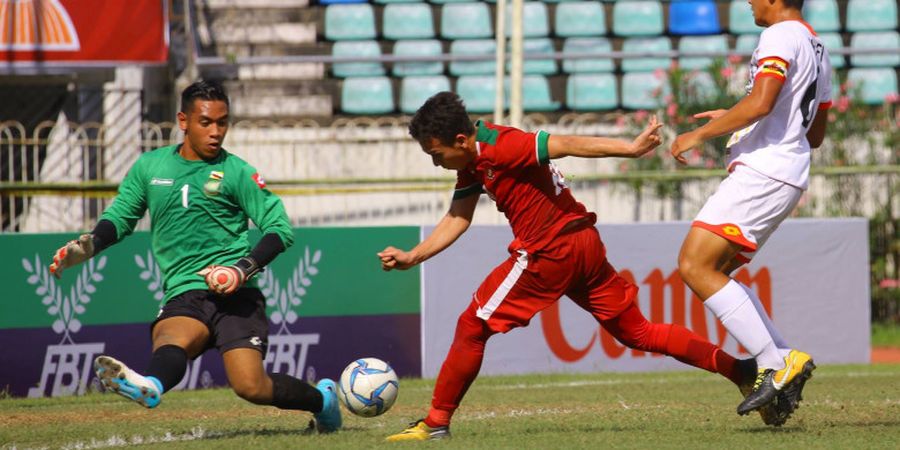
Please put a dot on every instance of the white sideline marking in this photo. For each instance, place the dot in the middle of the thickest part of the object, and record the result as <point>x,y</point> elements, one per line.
<point>196,433</point>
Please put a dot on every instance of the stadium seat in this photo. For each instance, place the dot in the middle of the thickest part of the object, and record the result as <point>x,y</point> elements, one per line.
<point>469,20</point>
<point>638,89</point>
<point>449,1</point>
<point>425,47</point>
<point>871,15</point>
<point>473,47</point>
<point>746,43</point>
<point>537,66</point>
<point>587,45</point>
<point>398,1</point>
<point>536,94</point>
<point>478,92</point>
<point>740,18</point>
<point>576,19</point>
<point>822,15</point>
<point>694,17</point>
<point>645,64</point>
<point>333,2</point>
<point>591,92</point>
<point>416,89</point>
<point>702,85</point>
<point>534,20</point>
<point>367,95</point>
<point>349,22</point>
<point>875,39</point>
<point>638,18</point>
<point>715,43</point>
<point>832,42</point>
<point>356,69</point>
<point>408,21</point>
<point>875,83</point>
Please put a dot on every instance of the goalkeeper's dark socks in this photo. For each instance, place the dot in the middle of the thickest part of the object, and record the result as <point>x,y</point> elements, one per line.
<point>291,393</point>
<point>168,365</point>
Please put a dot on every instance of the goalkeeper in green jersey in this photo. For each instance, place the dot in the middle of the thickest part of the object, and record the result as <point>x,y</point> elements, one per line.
<point>200,197</point>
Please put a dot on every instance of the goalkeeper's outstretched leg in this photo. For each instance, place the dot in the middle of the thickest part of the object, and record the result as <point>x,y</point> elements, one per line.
<point>117,377</point>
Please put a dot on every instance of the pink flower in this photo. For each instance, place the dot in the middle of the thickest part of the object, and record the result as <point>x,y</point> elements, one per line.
<point>889,283</point>
<point>831,117</point>
<point>734,58</point>
<point>843,103</point>
<point>620,121</point>
<point>727,72</point>
<point>640,116</point>
<point>710,164</point>
<point>892,98</point>
<point>659,74</point>
<point>672,110</point>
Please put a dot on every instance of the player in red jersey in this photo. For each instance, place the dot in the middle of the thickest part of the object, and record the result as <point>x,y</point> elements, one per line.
<point>556,251</point>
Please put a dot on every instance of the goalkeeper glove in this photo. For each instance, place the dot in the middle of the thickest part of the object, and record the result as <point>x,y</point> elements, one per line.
<point>74,252</point>
<point>226,280</point>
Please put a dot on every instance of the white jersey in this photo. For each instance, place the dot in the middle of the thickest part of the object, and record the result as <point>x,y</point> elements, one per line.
<point>776,145</point>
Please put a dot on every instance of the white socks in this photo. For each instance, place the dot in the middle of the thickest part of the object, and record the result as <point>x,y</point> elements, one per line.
<point>737,311</point>
<point>783,348</point>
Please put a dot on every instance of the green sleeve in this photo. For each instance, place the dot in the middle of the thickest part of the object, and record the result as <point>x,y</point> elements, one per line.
<point>130,203</point>
<point>264,208</point>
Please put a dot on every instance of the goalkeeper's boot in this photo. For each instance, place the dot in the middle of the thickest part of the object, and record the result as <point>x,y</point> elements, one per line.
<point>775,413</point>
<point>769,383</point>
<point>117,377</point>
<point>419,431</point>
<point>328,420</point>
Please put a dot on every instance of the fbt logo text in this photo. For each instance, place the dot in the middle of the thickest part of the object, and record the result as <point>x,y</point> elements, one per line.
<point>667,291</point>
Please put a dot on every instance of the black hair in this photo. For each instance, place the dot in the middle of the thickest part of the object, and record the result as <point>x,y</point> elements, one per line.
<point>443,116</point>
<point>202,90</point>
<point>795,4</point>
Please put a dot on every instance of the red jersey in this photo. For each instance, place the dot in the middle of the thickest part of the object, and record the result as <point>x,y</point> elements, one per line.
<point>513,167</point>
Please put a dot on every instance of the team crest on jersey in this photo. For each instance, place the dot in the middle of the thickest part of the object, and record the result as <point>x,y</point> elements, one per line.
<point>258,179</point>
<point>489,174</point>
<point>214,183</point>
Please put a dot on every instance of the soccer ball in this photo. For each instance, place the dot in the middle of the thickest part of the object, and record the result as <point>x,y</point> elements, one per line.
<point>369,387</point>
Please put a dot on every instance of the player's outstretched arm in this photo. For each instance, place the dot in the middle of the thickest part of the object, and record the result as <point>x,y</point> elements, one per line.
<point>603,147</point>
<point>450,228</point>
<point>84,248</point>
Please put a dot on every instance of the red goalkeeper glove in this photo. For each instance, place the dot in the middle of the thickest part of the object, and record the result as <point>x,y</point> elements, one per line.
<point>226,280</point>
<point>74,252</point>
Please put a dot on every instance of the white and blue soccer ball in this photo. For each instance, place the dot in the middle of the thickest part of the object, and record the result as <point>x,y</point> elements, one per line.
<point>369,387</point>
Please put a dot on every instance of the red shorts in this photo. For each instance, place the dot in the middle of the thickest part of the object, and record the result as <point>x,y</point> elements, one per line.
<point>573,264</point>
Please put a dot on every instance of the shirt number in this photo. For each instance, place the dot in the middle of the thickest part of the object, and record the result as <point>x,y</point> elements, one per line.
<point>184,196</point>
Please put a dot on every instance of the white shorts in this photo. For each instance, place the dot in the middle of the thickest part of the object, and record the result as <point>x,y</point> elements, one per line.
<point>746,208</point>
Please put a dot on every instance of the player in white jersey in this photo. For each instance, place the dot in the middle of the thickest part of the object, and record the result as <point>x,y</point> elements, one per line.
<point>774,127</point>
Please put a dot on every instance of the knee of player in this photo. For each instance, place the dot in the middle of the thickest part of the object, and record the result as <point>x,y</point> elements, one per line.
<point>257,393</point>
<point>688,268</point>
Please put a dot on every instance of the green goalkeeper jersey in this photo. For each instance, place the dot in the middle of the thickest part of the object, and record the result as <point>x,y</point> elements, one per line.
<point>198,212</point>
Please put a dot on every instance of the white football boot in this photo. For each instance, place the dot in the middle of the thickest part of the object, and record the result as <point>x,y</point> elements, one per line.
<point>117,377</point>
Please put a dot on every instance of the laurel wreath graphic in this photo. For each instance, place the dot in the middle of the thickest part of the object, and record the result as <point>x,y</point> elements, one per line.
<point>291,295</point>
<point>150,271</point>
<point>65,307</point>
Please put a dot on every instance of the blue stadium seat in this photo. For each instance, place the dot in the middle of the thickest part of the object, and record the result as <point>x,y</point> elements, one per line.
<point>876,83</point>
<point>473,47</point>
<point>715,43</point>
<point>425,47</point>
<point>334,2</point>
<point>416,89</point>
<point>832,42</point>
<point>367,95</point>
<point>871,15</point>
<point>408,21</point>
<point>536,94</point>
<point>740,18</point>
<point>398,1</point>
<point>587,45</point>
<point>638,89</point>
<point>638,18</point>
<point>450,1</point>
<point>477,92</point>
<point>591,92</point>
<point>537,66</point>
<point>822,15</point>
<point>349,22</point>
<point>468,20</point>
<point>534,20</point>
<point>356,69</point>
<point>875,39</point>
<point>580,18</point>
<point>646,64</point>
<point>694,17</point>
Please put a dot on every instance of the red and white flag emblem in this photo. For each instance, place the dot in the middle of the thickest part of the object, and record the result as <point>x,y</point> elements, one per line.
<point>258,179</point>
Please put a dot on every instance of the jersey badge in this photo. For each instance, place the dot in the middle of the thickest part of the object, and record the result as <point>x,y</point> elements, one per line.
<point>258,179</point>
<point>214,183</point>
<point>489,174</point>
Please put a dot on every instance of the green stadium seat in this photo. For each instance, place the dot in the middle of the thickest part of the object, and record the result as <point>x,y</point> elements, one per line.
<point>638,18</point>
<point>740,18</point>
<point>536,66</point>
<point>646,44</point>
<point>408,21</point>
<point>534,20</point>
<point>746,43</point>
<point>875,39</point>
<point>591,92</point>
<point>416,89</point>
<point>473,47</point>
<point>714,43</point>
<point>440,2</point>
<point>367,95</point>
<point>587,45</point>
<point>477,92</point>
<point>638,89</point>
<point>536,94</point>
<point>349,21</point>
<point>875,83</point>
<point>356,69</point>
<point>871,15</point>
<point>580,19</point>
<point>383,2</point>
<point>832,42</point>
<point>424,47</point>
<point>469,20</point>
<point>822,15</point>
